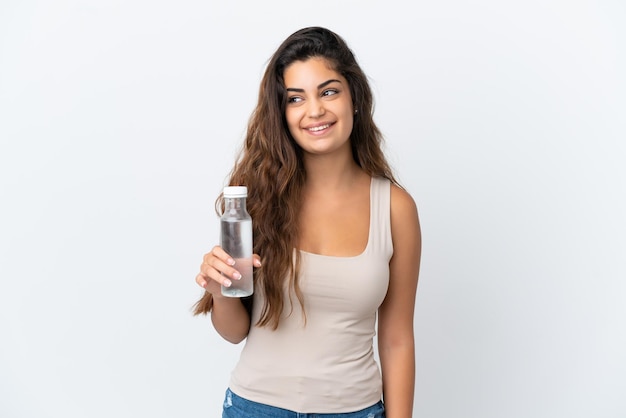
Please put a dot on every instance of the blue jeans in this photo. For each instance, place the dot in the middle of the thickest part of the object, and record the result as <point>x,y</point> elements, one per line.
<point>238,407</point>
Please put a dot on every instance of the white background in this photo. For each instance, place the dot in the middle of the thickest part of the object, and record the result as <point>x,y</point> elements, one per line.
<point>119,121</point>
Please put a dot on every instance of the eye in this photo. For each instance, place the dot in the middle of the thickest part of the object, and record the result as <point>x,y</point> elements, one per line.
<point>294,99</point>
<point>329,92</point>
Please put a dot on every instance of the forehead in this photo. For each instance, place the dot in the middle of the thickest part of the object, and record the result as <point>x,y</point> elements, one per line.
<point>311,71</point>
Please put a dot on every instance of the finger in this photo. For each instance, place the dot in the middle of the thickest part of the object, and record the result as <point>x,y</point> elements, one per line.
<point>216,270</point>
<point>256,260</point>
<point>201,281</point>
<point>220,254</point>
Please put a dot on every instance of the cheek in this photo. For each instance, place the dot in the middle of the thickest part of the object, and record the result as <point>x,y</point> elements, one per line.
<point>349,118</point>
<point>293,122</point>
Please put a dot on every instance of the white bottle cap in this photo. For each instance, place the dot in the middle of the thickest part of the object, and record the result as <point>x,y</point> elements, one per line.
<point>235,191</point>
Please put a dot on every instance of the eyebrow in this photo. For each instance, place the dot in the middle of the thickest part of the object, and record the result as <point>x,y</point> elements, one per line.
<point>321,86</point>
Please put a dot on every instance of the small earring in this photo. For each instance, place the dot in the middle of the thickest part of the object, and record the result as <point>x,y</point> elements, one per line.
<point>356,111</point>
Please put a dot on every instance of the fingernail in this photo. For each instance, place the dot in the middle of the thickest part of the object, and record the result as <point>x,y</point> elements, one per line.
<point>257,263</point>
<point>227,283</point>
<point>230,262</point>
<point>236,275</point>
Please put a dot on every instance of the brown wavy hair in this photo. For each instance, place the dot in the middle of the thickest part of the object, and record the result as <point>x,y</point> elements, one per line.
<point>270,164</point>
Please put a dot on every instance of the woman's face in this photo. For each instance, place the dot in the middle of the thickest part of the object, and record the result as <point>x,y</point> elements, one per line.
<point>319,109</point>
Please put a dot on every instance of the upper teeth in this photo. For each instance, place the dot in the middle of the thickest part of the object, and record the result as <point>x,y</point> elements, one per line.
<point>319,128</point>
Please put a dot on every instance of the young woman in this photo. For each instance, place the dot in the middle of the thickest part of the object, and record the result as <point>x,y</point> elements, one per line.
<point>337,247</point>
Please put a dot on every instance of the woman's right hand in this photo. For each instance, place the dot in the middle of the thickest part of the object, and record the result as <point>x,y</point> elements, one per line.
<point>214,263</point>
<point>217,270</point>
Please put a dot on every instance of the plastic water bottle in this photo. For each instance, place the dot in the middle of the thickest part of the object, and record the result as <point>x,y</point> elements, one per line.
<point>236,239</point>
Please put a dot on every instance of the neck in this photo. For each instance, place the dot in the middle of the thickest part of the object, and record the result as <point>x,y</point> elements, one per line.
<point>331,172</point>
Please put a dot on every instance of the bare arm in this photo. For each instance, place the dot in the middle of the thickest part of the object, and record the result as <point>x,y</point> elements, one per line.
<point>396,343</point>
<point>229,315</point>
<point>230,319</point>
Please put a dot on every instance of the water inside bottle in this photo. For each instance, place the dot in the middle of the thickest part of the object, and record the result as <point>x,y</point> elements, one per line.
<point>236,236</point>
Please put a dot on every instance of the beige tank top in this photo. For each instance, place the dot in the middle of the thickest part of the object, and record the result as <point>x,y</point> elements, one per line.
<point>326,365</point>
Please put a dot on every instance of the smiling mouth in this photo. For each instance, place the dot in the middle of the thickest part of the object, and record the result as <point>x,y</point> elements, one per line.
<point>319,128</point>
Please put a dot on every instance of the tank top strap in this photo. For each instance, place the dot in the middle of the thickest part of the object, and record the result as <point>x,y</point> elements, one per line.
<point>380,216</point>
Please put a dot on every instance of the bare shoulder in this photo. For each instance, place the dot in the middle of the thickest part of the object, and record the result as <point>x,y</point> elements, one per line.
<point>402,204</point>
<point>405,224</point>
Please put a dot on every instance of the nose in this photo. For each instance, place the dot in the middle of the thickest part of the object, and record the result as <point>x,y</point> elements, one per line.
<point>316,108</point>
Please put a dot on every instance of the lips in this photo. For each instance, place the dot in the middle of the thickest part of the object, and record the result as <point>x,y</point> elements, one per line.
<point>319,128</point>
